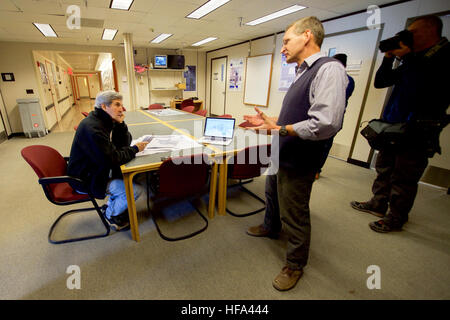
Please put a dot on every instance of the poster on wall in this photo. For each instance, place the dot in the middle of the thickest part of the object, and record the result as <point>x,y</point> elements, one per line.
<point>44,78</point>
<point>190,76</point>
<point>287,74</point>
<point>236,71</point>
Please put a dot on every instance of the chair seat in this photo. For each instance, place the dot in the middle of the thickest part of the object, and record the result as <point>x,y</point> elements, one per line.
<point>63,192</point>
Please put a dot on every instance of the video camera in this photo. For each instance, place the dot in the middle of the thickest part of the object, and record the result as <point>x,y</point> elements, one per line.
<point>404,36</point>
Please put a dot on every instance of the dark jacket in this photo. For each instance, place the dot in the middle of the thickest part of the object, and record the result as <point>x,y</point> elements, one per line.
<point>99,148</point>
<point>420,96</point>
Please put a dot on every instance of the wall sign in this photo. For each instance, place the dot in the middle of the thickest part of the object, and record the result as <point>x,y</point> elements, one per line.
<point>8,76</point>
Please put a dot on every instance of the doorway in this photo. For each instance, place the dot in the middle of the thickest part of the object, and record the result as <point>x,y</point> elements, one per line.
<point>83,86</point>
<point>218,85</point>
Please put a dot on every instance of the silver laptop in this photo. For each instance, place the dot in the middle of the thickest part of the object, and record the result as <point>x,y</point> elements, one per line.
<point>218,131</point>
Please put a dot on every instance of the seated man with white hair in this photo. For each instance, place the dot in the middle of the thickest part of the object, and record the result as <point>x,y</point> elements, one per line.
<point>100,146</point>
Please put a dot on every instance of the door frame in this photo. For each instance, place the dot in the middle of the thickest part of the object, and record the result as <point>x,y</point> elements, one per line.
<point>78,88</point>
<point>210,83</point>
<point>52,87</point>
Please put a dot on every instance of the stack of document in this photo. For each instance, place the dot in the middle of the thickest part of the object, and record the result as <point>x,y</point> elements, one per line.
<point>165,143</point>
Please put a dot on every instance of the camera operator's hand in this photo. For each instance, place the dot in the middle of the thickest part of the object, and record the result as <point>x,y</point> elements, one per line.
<point>398,52</point>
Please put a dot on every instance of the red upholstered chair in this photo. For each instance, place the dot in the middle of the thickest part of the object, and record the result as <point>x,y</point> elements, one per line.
<point>188,109</point>
<point>246,165</point>
<point>201,112</point>
<point>226,116</point>
<point>155,106</point>
<point>84,113</point>
<point>51,169</point>
<point>180,178</point>
<point>185,103</point>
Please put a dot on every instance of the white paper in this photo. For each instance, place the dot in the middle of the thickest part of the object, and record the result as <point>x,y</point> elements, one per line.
<point>165,143</point>
<point>165,112</point>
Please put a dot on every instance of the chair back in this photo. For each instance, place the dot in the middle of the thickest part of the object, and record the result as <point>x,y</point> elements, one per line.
<point>250,162</point>
<point>184,176</point>
<point>201,112</point>
<point>188,109</point>
<point>46,163</point>
<point>226,116</point>
<point>187,102</point>
<point>155,106</point>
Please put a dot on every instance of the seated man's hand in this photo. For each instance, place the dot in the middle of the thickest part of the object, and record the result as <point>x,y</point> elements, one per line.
<point>141,145</point>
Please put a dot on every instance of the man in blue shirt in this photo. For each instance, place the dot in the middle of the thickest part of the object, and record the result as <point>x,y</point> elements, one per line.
<point>342,57</point>
<point>312,113</point>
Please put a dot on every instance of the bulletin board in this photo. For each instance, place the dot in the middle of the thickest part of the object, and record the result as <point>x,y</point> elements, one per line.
<point>258,74</point>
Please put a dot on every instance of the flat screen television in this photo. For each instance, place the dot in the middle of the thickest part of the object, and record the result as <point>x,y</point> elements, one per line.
<point>160,61</point>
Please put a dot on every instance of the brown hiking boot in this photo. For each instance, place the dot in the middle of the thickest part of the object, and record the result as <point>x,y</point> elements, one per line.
<point>260,231</point>
<point>287,279</point>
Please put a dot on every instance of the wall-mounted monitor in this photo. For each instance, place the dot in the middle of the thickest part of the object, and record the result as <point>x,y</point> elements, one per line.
<point>160,61</point>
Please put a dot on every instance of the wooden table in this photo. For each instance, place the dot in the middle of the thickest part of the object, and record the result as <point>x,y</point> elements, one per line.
<point>144,122</point>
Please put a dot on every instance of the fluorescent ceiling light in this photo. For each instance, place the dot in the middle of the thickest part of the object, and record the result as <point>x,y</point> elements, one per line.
<point>203,41</point>
<point>276,15</point>
<point>121,4</point>
<point>109,34</point>
<point>46,29</point>
<point>207,8</point>
<point>161,37</point>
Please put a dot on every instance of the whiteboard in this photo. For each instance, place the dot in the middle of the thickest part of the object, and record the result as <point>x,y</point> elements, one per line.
<point>258,74</point>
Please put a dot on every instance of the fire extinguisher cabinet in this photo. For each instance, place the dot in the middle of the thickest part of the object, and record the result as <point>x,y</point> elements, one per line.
<point>31,116</point>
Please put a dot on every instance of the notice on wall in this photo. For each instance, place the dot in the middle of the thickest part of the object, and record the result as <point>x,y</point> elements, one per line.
<point>287,74</point>
<point>190,76</point>
<point>236,73</point>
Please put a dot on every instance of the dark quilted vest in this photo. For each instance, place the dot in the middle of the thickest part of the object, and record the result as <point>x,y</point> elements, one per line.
<point>295,153</point>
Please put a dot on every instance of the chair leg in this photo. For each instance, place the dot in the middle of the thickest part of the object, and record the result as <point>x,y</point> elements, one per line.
<point>190,235</point>
<point>240,215</point>
<point>102,218</point>
<point>163,236</point>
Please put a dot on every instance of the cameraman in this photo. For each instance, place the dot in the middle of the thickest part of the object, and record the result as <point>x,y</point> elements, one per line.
<point>420,98</point>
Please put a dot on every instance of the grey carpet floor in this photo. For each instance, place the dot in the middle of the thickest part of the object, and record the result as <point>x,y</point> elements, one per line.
<point>222,262</point>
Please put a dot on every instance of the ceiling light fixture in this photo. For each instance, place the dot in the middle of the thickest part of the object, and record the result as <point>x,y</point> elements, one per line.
<point>161,37</point>
<point>121,4</point>
<point>109,34</point>
<point>206,8</point>
<point>275,15</point>
<point>46,29</point>
<point>203,41</point>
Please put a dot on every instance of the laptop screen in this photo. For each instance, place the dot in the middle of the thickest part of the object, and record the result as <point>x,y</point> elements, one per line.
<point>219,127</point>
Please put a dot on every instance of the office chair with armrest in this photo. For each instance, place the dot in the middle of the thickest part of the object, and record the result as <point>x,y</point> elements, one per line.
<point>181,178</point>
<point>155,106</point>
<point>51,168</point>
<point>246,165</point>
<point>188,109</point>
<point>201,112</point>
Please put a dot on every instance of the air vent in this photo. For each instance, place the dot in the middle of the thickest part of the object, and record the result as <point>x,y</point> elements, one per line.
<point>92,23</point>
